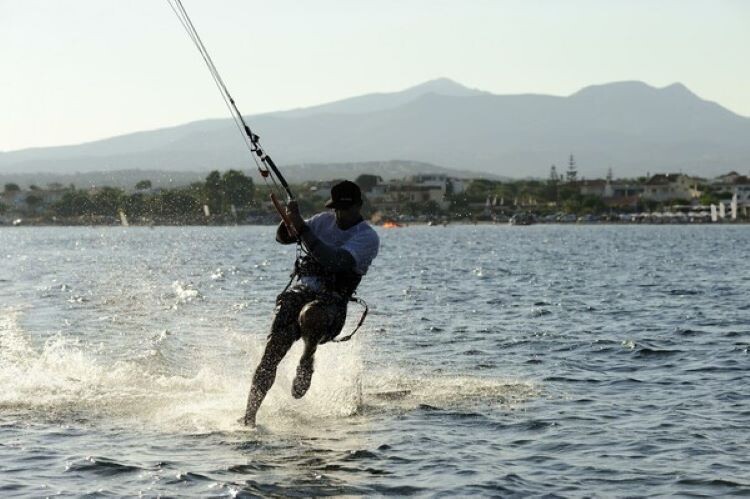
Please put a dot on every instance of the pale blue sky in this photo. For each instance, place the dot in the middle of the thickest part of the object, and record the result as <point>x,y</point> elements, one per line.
<point>80,70</point>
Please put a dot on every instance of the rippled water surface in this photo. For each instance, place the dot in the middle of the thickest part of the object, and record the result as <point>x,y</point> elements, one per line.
<point>564,360</point>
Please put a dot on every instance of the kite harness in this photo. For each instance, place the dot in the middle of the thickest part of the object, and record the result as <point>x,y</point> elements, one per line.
<point>268,170</point>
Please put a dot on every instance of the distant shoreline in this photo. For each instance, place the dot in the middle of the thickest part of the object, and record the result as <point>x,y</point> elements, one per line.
<point>31,223</point>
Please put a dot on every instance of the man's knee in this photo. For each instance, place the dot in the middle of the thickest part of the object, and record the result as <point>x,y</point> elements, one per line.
<point>313,320</point>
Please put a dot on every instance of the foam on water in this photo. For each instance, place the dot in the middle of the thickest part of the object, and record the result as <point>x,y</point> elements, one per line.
<point>184,293</point>
<point>65,378</point>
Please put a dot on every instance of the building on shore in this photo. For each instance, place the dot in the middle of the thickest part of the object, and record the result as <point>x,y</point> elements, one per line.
<point>735,186</point>
<point>665,187</point>
<point>417,189</point>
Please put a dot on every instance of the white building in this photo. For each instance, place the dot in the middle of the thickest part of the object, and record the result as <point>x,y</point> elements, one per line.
<point>734,184</point>
<point>670,187</point>
<point>425,188</point>
<point>449,185</point>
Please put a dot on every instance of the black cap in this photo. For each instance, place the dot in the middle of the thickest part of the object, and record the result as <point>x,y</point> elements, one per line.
<point>344,194</point>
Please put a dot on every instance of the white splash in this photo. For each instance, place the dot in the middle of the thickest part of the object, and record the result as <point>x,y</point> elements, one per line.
<point>64,378</point>
<point>184,293</point>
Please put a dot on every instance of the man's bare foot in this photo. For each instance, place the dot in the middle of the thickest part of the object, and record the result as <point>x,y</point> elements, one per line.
<point>247,420</point>
<point>302,380</point>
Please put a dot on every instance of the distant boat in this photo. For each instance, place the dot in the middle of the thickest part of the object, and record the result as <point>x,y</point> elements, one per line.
<point>17,222</point>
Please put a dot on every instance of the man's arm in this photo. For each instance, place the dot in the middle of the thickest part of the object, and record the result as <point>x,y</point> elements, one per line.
<point>332,258</point>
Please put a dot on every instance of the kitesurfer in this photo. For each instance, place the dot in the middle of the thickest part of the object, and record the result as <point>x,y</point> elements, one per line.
<point>340,248</point>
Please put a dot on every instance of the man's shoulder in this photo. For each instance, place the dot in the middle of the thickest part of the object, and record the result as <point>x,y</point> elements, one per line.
<point>364,229</point>
<point>324,218</point>
<point>365,238</point>
<point>323,215</point>
<point>370,231</point>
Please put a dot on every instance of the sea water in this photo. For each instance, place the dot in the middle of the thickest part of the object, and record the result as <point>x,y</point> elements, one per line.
<point>561,360</point>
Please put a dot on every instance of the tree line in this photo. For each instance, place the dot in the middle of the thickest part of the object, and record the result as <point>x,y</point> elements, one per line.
<point>219,192</point>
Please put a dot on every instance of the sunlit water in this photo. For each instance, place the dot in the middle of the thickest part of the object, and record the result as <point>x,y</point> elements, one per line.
<point>565,360</point>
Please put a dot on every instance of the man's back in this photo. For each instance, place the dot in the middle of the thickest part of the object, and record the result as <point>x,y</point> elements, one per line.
<point>360,240</point>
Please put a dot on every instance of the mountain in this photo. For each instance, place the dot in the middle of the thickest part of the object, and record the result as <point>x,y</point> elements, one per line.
<point>631,127</point>
<point>379,102</point>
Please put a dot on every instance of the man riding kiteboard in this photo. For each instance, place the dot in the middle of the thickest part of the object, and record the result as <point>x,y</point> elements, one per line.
<point>335,251</point>
<point>340,248</point>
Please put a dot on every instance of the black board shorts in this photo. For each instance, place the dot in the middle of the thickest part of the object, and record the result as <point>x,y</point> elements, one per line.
<point>290,303</point>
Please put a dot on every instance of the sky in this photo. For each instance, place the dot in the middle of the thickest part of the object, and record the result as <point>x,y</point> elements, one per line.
<point>80,70</point>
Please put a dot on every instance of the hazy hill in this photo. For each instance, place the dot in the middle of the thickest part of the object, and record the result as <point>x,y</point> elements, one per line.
<point>629,126</point>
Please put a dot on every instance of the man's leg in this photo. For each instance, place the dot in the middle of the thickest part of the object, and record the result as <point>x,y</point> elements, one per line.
<point>314,322</point>
<point>278,345</point>
<point>284,332</point>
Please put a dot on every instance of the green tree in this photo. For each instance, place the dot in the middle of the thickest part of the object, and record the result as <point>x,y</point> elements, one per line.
<point>180,202</point>
<point>3,208</point>
<point>709,195</point>
<point>143,185</point>
<point>33,202</point>
<point>134,204</point>
<point>108,201</point>
<point>459,205</point>
<point>74,203</point>
<point>650,205</point>
<point>479,189</point>
<point>572,201</point>
<point>708,198</point>
<point>593,204</point>
<point>214,189</point>
<point>12,187</point>
<point>432,209</point>
<point>570,197</point>
<point>412,208</point>
<point>238,189</point>
<point>307,206</point>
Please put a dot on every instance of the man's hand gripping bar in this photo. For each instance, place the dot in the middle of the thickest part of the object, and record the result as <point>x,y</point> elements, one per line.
<point>284,217</point>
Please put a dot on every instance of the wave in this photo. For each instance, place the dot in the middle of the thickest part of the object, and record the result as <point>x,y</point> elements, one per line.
<point>389,391</point>
<point>67,379</point>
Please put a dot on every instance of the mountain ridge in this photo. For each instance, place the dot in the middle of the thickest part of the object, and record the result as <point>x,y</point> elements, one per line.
<point>629,126</point>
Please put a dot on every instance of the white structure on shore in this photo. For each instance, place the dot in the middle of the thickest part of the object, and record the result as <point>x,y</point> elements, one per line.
<point>427,188</point>
<point>670,187</point>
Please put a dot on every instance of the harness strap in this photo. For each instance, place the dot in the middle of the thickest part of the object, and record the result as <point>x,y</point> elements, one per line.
<point>360,301</point>
<point>355,299</point>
